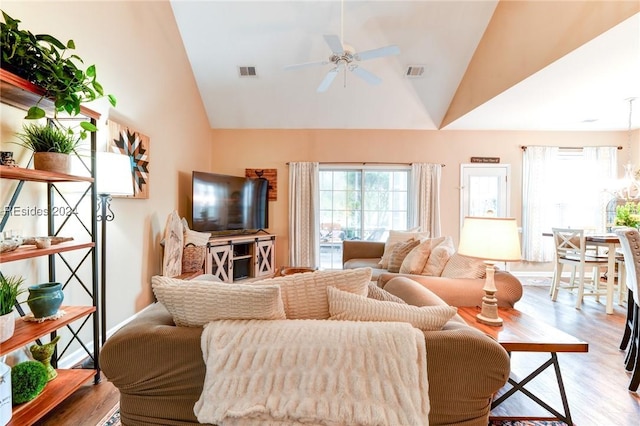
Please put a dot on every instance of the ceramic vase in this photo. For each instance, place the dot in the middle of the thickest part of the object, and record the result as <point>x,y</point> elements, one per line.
<point>43,353</point>
<point>5,393</point>
<point>45,299</point>
<point>52,162</point>
<point>7,326</point>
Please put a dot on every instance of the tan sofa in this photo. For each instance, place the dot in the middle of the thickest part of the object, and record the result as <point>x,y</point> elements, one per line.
<point>159,370</point>
<point>454,291</point>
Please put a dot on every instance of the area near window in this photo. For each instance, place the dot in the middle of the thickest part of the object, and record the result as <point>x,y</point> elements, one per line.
<point>360,203</point>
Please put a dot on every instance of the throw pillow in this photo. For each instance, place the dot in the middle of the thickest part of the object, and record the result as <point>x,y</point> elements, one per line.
<point>439,257</point>
<point>460,266</point>
<point>305,295</point>
<point>417,258</point>
<point>351,307</point>
<point>195,303</point>
<point>377,293</point>
<point>399,237</point>
<point>400,251</point>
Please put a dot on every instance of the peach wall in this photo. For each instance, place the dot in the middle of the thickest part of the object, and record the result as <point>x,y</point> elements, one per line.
<point>139,58</point>
<point>235,150</point>
<point>545,30</point>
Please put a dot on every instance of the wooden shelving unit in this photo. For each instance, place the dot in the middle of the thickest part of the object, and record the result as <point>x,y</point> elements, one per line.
<point>22,94</point>
<point>28,331</point>
<point>29,252</point>
<point>30,175</point>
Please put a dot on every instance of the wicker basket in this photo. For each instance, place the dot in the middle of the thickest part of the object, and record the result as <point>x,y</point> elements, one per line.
<point>193,258</point>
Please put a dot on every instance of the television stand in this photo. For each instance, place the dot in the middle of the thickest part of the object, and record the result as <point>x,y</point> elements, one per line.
<point>241,257</point>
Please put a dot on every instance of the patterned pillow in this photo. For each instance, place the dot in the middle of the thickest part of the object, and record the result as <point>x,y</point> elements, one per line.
<point>400,251</point>
<point>439,257</point>
<point>195,303</point>
<point>417,258</point>
<point>351,307</point>
<point>377,293</point>
<point>460,266</point>
<point>399,237</point>
<point>305,295</point>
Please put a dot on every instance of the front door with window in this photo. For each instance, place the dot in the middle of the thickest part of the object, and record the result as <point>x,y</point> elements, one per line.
<point>484,190</point>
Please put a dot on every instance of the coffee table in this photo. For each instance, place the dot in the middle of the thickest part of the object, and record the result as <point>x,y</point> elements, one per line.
<point>523,333</point>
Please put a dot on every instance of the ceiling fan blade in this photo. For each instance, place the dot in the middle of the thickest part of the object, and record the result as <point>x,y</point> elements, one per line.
<point>328,79</point>
<point>334,44</point>
<point>365,75</point>
<point>377,53</point>
<point>305,65</point>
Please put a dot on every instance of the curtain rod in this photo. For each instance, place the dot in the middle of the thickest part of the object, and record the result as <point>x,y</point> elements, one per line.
<point>364,163</point>
<point>524,147</point>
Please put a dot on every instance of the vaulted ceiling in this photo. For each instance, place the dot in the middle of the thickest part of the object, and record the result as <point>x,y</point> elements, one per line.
<point>495,65</point>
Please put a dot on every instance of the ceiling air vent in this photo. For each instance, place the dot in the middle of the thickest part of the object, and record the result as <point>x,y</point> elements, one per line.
<point>414,71</point>
<point>247,71</point>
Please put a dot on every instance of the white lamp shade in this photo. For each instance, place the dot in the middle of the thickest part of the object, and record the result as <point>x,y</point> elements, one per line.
<point>113,174</point>
<point>490,238</point>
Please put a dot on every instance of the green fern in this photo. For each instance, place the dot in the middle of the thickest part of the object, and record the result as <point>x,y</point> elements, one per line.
<point>43,138</point>
<point>9,292</point>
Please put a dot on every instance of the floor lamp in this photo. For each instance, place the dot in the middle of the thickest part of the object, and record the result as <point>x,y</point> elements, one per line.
<point>113,177</point>
<point>492,239</point>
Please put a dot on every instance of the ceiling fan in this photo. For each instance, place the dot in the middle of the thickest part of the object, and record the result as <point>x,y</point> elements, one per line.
<point>343,57</point>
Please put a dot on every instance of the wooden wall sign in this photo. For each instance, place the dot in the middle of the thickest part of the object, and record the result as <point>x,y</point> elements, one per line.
<point>271,175</point>
<point>485,159</point>
<point>134,144</point>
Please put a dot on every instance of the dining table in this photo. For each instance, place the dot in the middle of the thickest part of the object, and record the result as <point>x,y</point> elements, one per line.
<point>611,242</point>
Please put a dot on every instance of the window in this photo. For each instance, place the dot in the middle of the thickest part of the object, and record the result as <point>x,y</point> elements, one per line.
<point>360,203</point>
<point>563,188</point>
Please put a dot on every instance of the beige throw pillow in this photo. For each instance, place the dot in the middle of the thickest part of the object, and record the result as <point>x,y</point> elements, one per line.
<point>377,293</point>
<point>305,295</point>
<point>417,258</point>
<point>439,257</point>
<point>460,266</point>
<point>399,237</point>
<point>351,307</point>
<point>400,251</point>
<point>195,303</point>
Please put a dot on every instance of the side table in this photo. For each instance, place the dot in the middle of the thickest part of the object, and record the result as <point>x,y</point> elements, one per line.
<point>523,333</point>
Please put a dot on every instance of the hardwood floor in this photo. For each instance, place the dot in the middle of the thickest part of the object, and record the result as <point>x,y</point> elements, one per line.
<point>595,382</point>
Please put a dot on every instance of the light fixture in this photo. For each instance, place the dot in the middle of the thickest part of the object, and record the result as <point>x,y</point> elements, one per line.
<point>492,239</point>
<point>113,177</point>
<point>628,188</point>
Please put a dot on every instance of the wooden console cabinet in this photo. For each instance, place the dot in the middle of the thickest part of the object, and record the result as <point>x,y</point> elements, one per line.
<point>244,257</point>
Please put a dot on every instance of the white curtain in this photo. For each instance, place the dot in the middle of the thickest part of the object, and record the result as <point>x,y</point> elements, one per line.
<point>304,228</point>
<point>563,190</point>
<point>425,180</point>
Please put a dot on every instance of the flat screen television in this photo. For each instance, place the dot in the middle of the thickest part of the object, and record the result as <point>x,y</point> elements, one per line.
<point>222,203</point>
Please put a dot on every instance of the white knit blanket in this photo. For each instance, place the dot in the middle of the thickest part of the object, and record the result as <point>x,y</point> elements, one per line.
<point>313,372</point>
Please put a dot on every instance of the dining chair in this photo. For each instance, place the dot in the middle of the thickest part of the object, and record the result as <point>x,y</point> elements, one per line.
<point>571,249</point>
<point>630,245</point>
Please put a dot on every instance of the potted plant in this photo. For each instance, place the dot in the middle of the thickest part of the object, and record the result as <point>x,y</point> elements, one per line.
<point>44,61</point>
<point>9,292</point>
<point>51,146</point>
<point>627,215</point>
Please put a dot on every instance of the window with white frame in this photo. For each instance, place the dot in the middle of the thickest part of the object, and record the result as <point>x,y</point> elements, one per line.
<point>360,203</point>
<point>564,187</point>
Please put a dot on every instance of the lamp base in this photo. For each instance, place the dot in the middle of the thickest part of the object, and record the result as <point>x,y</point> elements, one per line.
<point>495,322</point>
<point>489,313</point>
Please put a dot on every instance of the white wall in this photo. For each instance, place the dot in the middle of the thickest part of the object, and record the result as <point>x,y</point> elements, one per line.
<point>139,57</point>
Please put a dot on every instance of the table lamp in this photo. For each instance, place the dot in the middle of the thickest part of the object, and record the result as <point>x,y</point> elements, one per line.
<point>491,239</point>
